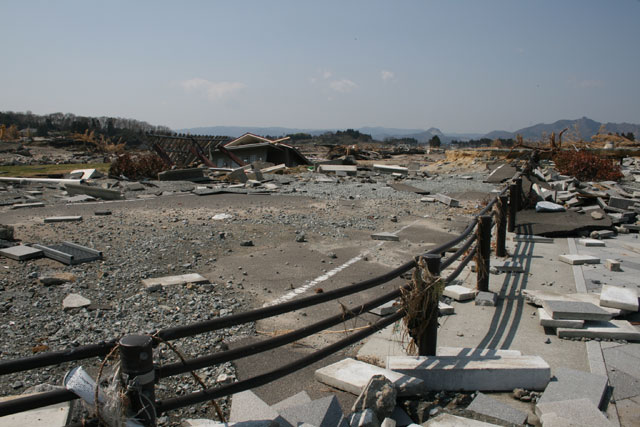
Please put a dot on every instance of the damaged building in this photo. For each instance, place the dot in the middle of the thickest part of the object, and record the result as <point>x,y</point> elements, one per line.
<point>250,148</point>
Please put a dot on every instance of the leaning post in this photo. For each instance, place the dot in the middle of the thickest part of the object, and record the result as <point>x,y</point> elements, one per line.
<point>501,235</point>
<point>483,257</point>
<point>138,377</point>
<point>428,343</point>
<point>513,196</point>
<point>519,191</point>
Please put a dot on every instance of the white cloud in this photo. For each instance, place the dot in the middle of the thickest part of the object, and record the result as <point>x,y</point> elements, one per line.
<point>212,90</point>
<point>342,85</point>
<point>387,75</point>
<point>327,74</point>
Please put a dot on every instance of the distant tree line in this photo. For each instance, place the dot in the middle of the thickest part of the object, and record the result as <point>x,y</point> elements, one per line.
<point>399,141</point>
<point>61,124</point>
<point>484,142</point>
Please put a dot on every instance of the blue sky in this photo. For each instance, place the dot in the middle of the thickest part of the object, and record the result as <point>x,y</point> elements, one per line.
<point>461,66</point>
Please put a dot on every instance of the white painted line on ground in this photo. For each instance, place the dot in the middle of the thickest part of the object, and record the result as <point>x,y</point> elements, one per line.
<point>326,276</point>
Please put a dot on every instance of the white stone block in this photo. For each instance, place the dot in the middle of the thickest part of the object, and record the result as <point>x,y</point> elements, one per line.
<point>619,297</point>
<point>547,321</point>
<point>613,329</point>
<point>591,242</point>
<point>181,279</point>
<point>612,265</point>
<point>575,259</point>
<point>459,293</point>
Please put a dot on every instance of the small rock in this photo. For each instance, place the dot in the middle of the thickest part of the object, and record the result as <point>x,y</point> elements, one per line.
<point>597,215</point>
<point>246,243</point>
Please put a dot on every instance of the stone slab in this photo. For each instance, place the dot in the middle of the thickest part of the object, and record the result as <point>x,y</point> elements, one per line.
<point>591,242</point>
<point>295,400</point>
<point>98,192</point>
<point>451,202</point>
<point>619,297</point>
<point>557,224</point>
<point>21,252</point>
<point>547,321</point>
<point>49,416</point>
<point>353,376</point>
<point>459,293</point>
<point>613,329</point>
<point>501,174</point>
<point>181,279</point>
<point>62,219</point>
<point>27,205</point>
<point>575,310</point>
<point>323,412</point>
<point>538,297</point>
<point>73,301</point>
<point>445,309</point>
<point>385,309</point>
<point>570,384</point>
<point>247,406</point>
<point>408,188</point>
<point>482,373</point>
<point>348,169</point>
<point>487,299</point>
<point>385,236</point>
<point>485,405</point>
<point>79,198</point>
<point>390,169</point>
<point>568,413</point>
<point>576,259</point>
<point>448,420</point>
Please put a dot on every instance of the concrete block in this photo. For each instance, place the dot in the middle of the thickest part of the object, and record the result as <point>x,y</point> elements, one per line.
<point>385,236</point>
<point>390,169</point>
<point>485,405</point>
<point>385,309</point>
<point>324,412</point>
<point>448,420</point>
<point>445,309</point>
<point>483,373</point>
<point>238,175</point>
<point>97,192</point>
<point>182,279</point>
<point>21,252</point>
<point>530,238</point>
<point>352,376</point>
<point>612,265</point>
<point>619,297</point>
<point>400,417</point>
<point>247,406</point>
<point>428,199</point>
<point>508,266</point>
<point>459,293</point>
<point>613,329</point>
<point>571,384</point>
<point>49,416</point>
<point>547,321</point>
<point>453,203</point>
<point>62,219</point>
<point>85,174</point>
<point>577,412</point>
<point>538,297</point>
<point>575,259</point>
<point>379,395</point>
<point>591,242</point>
<point>351,170</point>
<point>487,299</point>
<point>620,203</point>
<point>602,234</point>
<point>574,310</point>
<point>295,400</point>
<point>27,205</point>
<point>469,351</point>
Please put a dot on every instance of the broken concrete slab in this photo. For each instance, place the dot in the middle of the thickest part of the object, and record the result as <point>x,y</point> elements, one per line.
<point>385,236</point>
<point>547,321</point>
<point>575,310</point>
<point>543,207</point>
<point>238,175</point>
<point>193,174</point>
<point>385,309</point>
<point>323,412</point>
<point>591,242</point>
<point>70,253</point>
<point>353,375</point>
<point>97,192</point>
<point>445,309</point>
<point>21,252</point>
<point>612,329</point>
<point>390,169</point>
<point>73,301</point>
<point>448,420</point>
<point>459,293</point>
<point>295,400</point>
<point>27,205</point>
<point>571,384</point>
<point>612,265</point>
<point>182,279</point>
<point>576,259</point>
<point>57,415</point>
<point>620,203</point>
<point>552,224</point>
<point>365,418</point>
<point>452,203</point>
<point>62,219</point>
<point>619,297</point>
<point>570,413</point>
<point>487,299</point>
<point>247,406</point>
<point>485,405</point>
<point>350,170</point>
<point>79,198</point>
<point>379,395</point>
<point>482,373</point>
<point>538,297</point>
<point>408,188</point>
<point>501,173</point>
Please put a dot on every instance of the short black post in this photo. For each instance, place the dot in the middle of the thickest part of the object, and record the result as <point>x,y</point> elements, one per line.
<point>501,235</point>
<point>429,341</point>
<point>136,356</point>
<point>513,196</point>
<point>519,198</point>
<point>483,257</point>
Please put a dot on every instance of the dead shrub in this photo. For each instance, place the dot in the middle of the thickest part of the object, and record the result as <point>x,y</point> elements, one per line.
<point>587,166</point>
<point>137,167</point>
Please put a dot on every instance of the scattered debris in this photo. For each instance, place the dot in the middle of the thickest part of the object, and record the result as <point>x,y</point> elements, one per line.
<point>182,279</point>
<point>70,253</point>
<point>62,219</point>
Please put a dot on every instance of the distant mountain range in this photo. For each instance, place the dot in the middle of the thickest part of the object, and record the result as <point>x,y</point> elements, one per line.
<point>583,127</point>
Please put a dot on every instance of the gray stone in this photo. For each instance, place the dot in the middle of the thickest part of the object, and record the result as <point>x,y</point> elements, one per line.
<point>571,384</point>
<point>238,175</point>
<point>549,322</point>
<point>459,293</point>
<point>484,373</point>
<point>365,418</point>
<point>247,406</point>
<point>295,400</point>
<point>575,259</point>
<point>351,170</point>
<point>246,243</point>
<point>613,329</point>
<point>487,299</point>
<point>21,252</point>
<point>182,279</point>
<point>549,207</point>
<point>73,301</point>
<point>620,203</point>
<point>324,412</point>
<point>453,203</point>
<point>445,309</point>
<point>591,242</point>
<point>62,219</point>
<point>619,297</point>
<point>597,215</point>
<point>448,420</point>
<point>390,169</point>
<point>485,405</point>
<point>385,236</point>
<point>379,395</point>
<point>54,279</point>
<point>574,310</point>
<point>612,265</point>
<point>385,309</point>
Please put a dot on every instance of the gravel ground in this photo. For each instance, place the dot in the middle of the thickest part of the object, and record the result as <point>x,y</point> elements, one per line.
<point>165,231</point>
